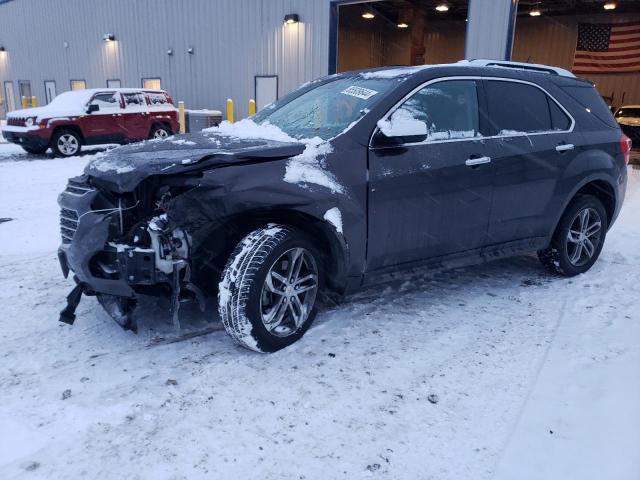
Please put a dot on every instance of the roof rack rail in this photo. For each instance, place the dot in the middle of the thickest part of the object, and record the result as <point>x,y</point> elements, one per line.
<point>532,67</point>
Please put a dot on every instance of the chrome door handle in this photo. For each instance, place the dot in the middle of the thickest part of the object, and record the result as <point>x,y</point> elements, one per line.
<point>471,162</point>
<point>564,147</point>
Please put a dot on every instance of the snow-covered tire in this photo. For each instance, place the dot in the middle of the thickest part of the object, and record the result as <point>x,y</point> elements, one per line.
<point>559,257</point>
<point>241,292</point>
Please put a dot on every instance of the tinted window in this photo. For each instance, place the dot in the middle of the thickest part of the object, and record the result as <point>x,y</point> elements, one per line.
<point>559,119</point>
<point>450,109</point>
<point>157,98</point>
<point>626,112</point>
<point>517,107</point>
<point>589,98</point>
<point>134,99</point>
<point>106,101</point>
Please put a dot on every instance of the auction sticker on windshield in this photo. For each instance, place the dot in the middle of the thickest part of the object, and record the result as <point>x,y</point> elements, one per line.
<point>359,92</point>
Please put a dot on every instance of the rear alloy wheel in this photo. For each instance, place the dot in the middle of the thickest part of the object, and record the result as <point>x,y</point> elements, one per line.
<point>578,239</point>
<point>66,143</point>
<point>267,296</point>
<point>159,132</point>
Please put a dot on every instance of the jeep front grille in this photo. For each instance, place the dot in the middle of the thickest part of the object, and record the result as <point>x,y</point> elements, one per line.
<point>16,121</point>
<point>68,224</point>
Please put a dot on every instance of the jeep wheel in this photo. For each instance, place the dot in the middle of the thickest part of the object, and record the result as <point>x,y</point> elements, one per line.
<point>65,143</point>
<point>578,239</point>
<point>34,150</point>
<point>267,296</point>
<point>159,131</point>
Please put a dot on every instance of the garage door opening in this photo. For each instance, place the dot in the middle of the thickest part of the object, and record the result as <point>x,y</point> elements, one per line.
<point>399,32</point>
<point>602,45</point>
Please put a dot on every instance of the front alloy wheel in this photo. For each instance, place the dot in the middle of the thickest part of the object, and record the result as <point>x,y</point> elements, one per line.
<point>66,144</point>
<point>269,288</point>
<point>289,292</point>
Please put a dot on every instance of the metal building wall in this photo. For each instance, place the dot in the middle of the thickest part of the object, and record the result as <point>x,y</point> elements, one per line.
<point>233,40</point>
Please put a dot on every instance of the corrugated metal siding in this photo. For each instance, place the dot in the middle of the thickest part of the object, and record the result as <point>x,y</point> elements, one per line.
<point>233,41</point>
<point>552,40</point>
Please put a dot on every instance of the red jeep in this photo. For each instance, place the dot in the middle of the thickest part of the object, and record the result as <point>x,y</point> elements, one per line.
<point>92,117</point>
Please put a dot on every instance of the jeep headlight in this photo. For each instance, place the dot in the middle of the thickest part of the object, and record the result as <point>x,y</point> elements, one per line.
<point>29,121</point>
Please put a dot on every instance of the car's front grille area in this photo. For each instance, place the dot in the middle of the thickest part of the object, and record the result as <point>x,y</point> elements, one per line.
<point>78,188</point>
<point>16,121</point>
<point>68,224</point>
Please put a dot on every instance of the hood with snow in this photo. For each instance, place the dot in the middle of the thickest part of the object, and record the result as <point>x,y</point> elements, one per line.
<point>125,167</point>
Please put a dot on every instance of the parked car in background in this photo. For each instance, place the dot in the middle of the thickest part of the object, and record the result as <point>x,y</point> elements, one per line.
<point>92,117</point>
<point>628,117</point>
<point>342,182</point>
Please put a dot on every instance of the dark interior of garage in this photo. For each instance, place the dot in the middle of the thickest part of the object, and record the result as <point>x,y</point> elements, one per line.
<point>416,32</point>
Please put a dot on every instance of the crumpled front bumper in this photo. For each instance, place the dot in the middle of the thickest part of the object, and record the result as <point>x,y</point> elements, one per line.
<point>99,265</point>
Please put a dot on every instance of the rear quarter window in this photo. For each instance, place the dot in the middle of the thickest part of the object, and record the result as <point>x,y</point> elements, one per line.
<point>517,108</point>
<point>592,102</point>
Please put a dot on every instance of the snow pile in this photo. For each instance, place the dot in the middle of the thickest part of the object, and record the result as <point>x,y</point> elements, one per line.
<point>334,217</point>
<point>306,168</point>
<point>309,167</point>
<point>402,124</point>
<point>249,129</point>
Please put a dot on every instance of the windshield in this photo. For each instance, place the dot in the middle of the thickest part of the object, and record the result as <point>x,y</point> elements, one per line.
<point>326,110</point>
<point>628,113</point>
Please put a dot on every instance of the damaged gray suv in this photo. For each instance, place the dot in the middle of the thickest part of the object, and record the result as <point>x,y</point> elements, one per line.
<point>342,182</point>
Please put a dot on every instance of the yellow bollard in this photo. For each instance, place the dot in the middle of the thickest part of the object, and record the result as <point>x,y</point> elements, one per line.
<point>252,107</point>
<point>34,102</point>
<point>25,102</point>
<point>230,110</point>
<point>181,117</point>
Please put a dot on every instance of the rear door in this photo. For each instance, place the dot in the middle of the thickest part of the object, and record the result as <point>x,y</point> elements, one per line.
<point>136,117</point>
<point>530,134</point>
<point>105,125</point>
<point>432,197</point>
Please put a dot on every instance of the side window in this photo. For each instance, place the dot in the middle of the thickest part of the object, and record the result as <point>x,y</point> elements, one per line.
<point>134,99</point>
<point>448,108</point>
<point>559,119</point>
<point>156,99</point>
<point>517,108</point>
<point>106,101</point>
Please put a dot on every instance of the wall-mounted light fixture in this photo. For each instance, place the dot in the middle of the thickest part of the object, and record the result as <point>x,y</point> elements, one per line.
<point>108,37</point>
<point>170,51</point>
<point>190,50</point>
<point>403,25</point>
<point>443,7</point>
<point>2,49</point>
<point>291,18</point>
<point>535,12</point>
<point>609,6</point>
<point>368,15</point>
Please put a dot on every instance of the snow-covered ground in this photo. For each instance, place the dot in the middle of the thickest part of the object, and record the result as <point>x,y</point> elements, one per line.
<point>498,371</point>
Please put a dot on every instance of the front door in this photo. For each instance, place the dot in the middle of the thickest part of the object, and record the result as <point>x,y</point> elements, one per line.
<point>430,198</point>
<point>530,135</point>
<point>9,96</point>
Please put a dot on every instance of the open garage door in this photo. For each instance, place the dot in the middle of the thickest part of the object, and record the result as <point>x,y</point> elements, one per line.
<point>597,43</point>
<point>400,32</point>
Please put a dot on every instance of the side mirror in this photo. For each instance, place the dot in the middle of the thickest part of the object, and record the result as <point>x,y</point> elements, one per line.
<point>402,125</point>
<point>93,108</point>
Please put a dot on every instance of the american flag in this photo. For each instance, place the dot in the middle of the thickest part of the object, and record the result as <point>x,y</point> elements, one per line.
<point>607,48</point>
